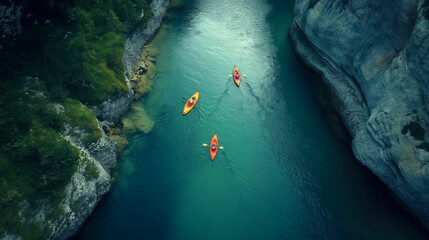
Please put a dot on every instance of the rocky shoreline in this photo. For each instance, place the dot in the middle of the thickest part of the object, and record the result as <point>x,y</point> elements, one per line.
<point>83,193</point>
<point>135,118</point>
<point>373,57</point>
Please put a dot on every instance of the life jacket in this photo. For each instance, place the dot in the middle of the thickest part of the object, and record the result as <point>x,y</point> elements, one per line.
<point>237,76</point>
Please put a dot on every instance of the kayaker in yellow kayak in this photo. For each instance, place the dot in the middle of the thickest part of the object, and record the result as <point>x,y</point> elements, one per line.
<point>191,101</point>
<point>190,104</point>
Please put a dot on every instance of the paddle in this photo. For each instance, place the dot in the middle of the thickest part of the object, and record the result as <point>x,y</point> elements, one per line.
<point>205,145</point>
<point>244,75</point>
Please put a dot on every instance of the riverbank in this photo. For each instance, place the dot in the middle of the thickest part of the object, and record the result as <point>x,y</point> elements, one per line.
<point>135,119</point>
<point>141,79</point>
<point>56,161</point>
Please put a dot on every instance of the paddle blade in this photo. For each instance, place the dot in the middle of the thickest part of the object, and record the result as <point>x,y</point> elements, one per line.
<point>230,75</point>
<point>244,75</point>
<point>205,144</point>
<point>220,147</point>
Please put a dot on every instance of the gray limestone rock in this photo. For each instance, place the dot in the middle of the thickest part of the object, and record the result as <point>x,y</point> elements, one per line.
<point>112,109</point>
<point>373,56</point>
<point>135,42</point>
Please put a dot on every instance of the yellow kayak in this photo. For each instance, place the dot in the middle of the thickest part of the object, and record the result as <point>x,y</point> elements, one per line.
<point>192,101</point>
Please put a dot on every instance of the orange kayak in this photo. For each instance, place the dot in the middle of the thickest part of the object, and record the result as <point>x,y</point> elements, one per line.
<point>188,106</point>
<point>237,80</point>
<point>215,141</point>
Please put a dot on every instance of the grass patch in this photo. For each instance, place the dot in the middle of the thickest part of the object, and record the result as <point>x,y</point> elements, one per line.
<point>91,171</point>
<point>80,116</point>
<point>415,129</point>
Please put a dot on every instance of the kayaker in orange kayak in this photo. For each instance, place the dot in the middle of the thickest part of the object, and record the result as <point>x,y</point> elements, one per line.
<point>237,75</point>
<point>214,144</point>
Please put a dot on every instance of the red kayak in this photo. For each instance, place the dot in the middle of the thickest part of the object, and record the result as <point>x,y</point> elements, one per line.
<point>237,78</point>
<point>216,142</point>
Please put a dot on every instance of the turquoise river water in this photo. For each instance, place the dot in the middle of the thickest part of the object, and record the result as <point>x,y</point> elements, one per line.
<point>282,174</point>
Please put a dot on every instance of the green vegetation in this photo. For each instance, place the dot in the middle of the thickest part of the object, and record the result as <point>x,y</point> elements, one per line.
<point>35,162</point>
<point>79,51</point>
<point>91,171</point>
<point>69,53</point>
<point>82,117</point>
<point>415,129</point>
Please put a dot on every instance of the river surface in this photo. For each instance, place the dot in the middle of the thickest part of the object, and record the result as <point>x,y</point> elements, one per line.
<point>282,174</point>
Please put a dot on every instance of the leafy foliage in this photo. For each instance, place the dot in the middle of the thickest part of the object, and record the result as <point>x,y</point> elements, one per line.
<point>82,117</point>
<point>91,171</point>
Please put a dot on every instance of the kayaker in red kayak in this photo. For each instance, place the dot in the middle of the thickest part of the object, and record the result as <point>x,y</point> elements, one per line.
<point>213,147</point>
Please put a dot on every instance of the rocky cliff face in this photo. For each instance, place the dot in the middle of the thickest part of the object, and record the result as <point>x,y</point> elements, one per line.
<point>97,160</point>
<point>88,184</point>
<point>112,109</point>
<point>373,55</point>
<point>135,42</point>
<point>84,192</point>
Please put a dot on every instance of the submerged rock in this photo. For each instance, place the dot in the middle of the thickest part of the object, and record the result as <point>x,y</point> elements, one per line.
<point>128,126</point>
<point>121,141</point>
<point>137,120</point>
<point>373,56</point>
